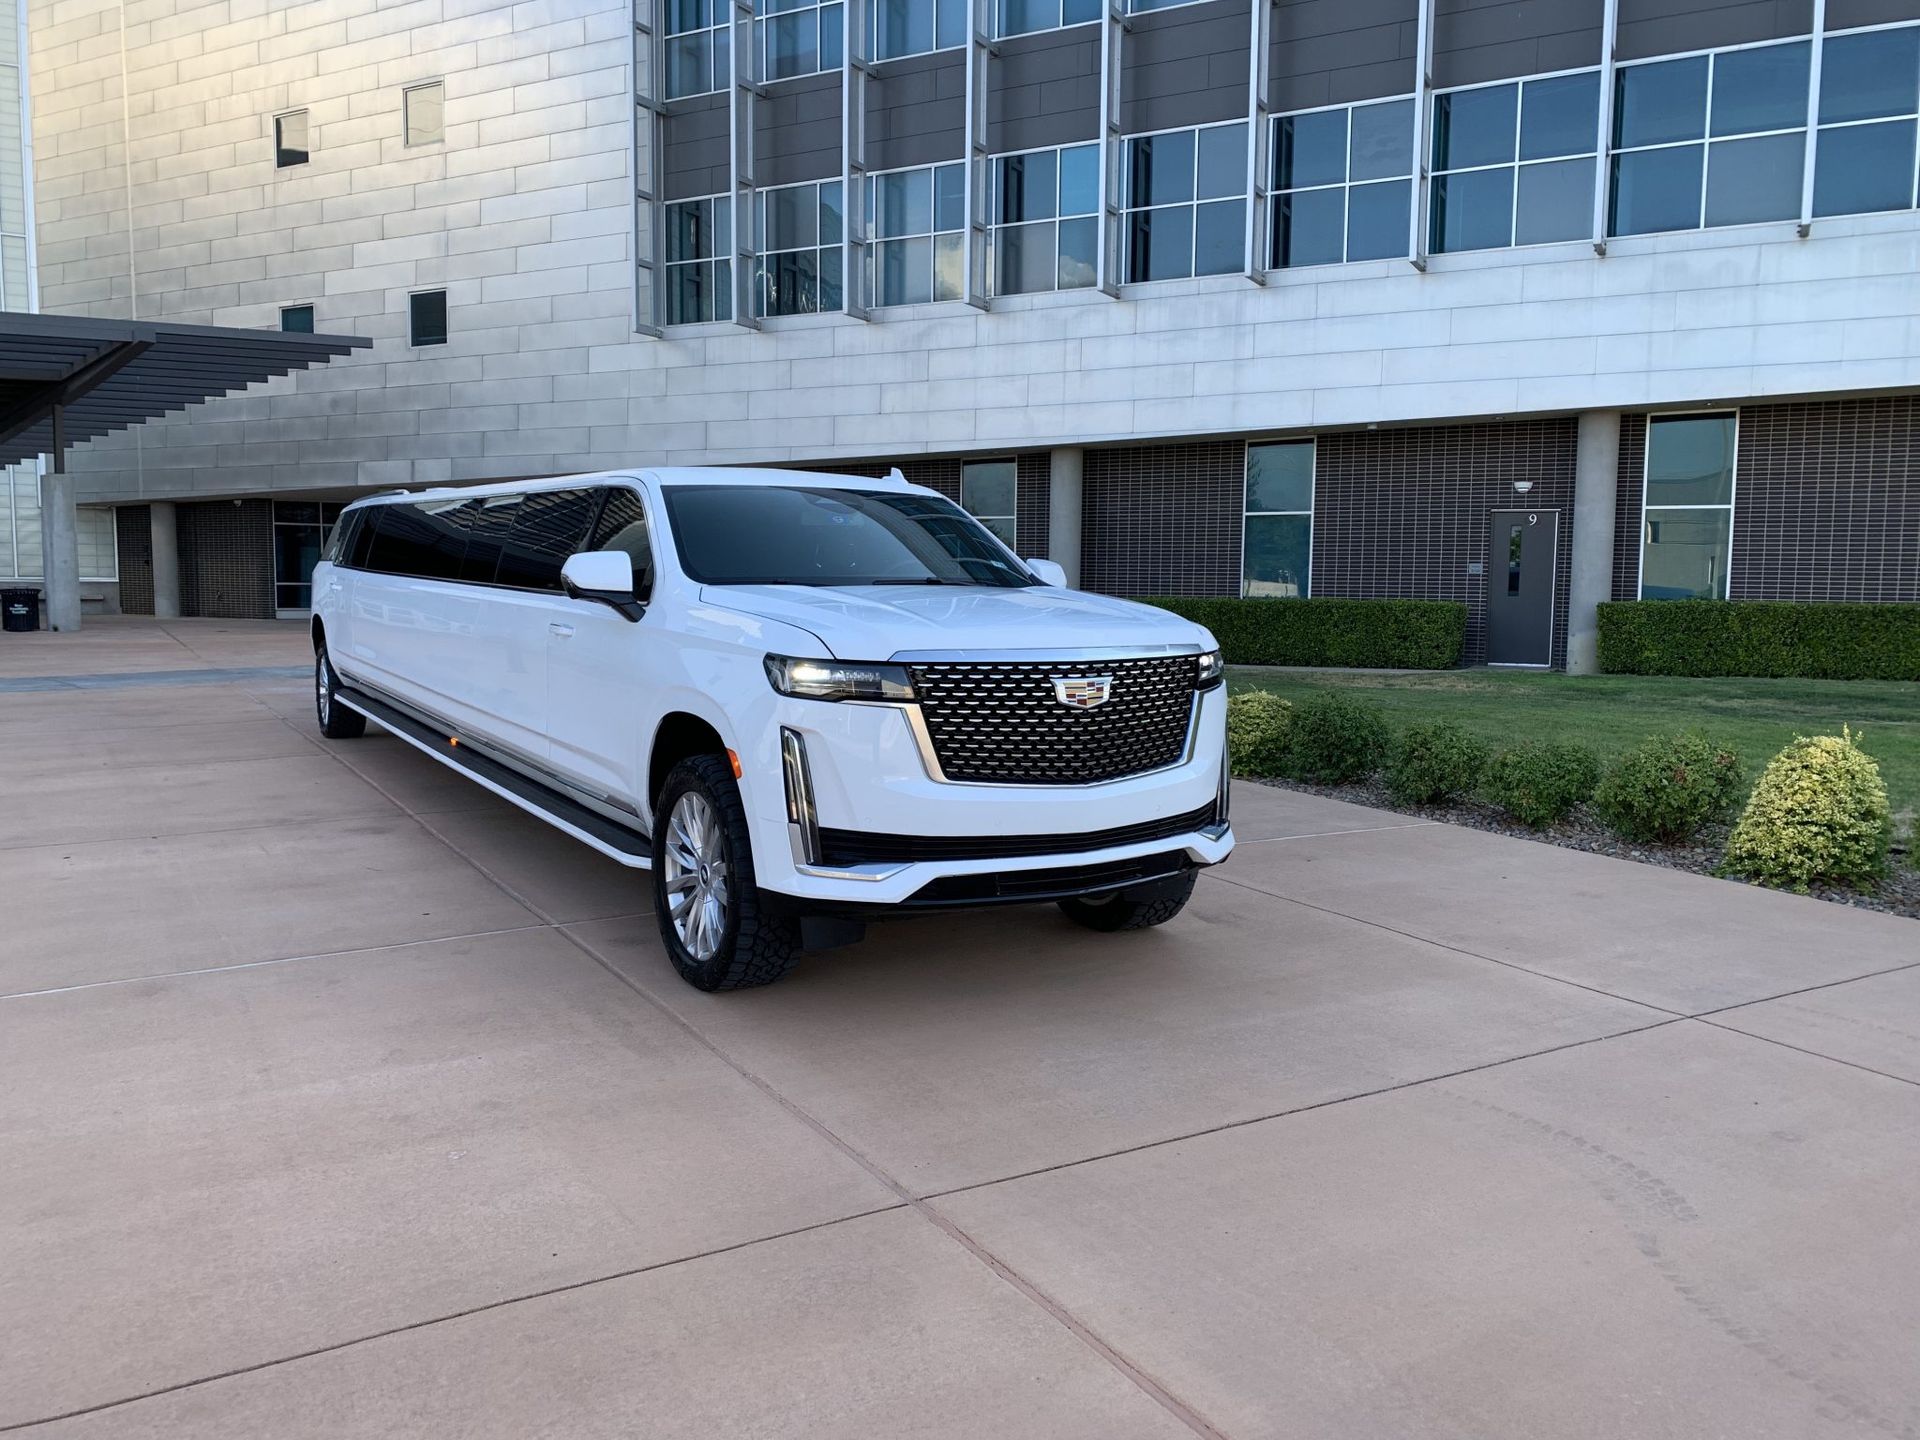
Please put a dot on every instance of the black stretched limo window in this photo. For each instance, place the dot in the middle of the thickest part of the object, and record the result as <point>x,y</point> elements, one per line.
<point>425,540</point>
<point>549,526</point>
<point>487,526</point>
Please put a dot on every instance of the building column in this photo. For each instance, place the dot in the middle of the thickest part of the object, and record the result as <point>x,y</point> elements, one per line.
<point>163,523</point>
<point>60,550</point>
<point>1596,484</point>
<point>1063,511</point>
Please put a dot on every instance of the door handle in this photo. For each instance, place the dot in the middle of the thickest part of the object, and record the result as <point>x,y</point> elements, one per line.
<point>556,628</point>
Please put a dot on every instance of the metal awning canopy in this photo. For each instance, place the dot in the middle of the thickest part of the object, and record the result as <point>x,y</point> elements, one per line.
<point>69,378</point>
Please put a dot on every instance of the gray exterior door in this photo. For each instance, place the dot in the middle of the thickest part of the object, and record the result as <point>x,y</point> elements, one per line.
<point>1522,553</point>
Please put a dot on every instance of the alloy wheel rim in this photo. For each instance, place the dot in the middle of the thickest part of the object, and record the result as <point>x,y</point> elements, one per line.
<point>323,692</point>
<point>695,876</point>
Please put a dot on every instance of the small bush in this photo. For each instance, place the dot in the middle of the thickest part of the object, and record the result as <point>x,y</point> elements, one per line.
<point>1335,738</point>
<point>1539,784</point>
<point>1818,816</point>
<point>1377,634</point>
<point>1761,637</point>
<point>1257,726</point>
<point>1436,762</point>
<point>1667,787</point>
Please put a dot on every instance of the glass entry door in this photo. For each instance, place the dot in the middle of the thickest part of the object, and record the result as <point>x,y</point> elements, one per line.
<point>300,529</point>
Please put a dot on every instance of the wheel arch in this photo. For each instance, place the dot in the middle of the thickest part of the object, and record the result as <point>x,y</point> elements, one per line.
<point>680,735</point>
<point>317,632</point>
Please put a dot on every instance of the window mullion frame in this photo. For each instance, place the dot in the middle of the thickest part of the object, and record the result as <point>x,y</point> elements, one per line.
<point>1814,58</point>
<point>1603,126</point>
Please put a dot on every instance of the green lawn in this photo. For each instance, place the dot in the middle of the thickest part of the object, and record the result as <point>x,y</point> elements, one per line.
<point>1612,712</point>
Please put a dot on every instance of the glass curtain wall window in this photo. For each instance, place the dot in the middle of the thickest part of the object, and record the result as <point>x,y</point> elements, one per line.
<point>1687,510</point>
<point>425,113</point>
<point>1710,140</point>
<point>1513,164</point>
<point>1186,203</point>
<point>300,529</point>
<point>1869,105</point>
<point>290,139</point>
<point>1023,17</point>
<point>699,260</point>
<point>795,37</point>
<point>797,237</point>
<point>1342,184</point>
<point>1046,231</point>
<point>919,234</point>
<point>1276,548</point>
<point>697,42</point>
<point>987,492</point>
<point>916,27</point>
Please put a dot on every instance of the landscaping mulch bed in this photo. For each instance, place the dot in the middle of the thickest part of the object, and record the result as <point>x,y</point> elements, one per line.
<point>1899,893</point>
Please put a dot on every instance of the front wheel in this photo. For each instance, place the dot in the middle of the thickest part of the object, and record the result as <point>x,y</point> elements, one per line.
<point>337,722</point>
<point>1137,907</point>
<point>716,930</point>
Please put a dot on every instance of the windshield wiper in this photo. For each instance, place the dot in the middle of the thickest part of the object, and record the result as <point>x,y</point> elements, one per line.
<point>903,580</point>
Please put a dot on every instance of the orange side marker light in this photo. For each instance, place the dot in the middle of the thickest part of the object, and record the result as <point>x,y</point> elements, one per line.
<point>734,760</point>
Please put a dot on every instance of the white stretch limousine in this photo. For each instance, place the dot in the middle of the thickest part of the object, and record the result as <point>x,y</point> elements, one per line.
<point>800,700</point>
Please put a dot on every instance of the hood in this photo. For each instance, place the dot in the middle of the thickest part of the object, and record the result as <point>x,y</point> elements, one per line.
<point>879,622</point>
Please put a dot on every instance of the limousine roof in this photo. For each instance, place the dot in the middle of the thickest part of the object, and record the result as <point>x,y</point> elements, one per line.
<point>663,475</point>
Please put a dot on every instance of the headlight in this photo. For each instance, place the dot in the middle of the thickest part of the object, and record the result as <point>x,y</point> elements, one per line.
<point>838,679</point>
<point>1212,669</point>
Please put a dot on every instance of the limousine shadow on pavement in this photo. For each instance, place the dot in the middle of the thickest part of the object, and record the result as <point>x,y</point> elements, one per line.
<point>338,1098</point>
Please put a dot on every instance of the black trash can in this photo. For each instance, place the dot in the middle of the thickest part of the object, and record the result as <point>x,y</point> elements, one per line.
<point>19,609</point>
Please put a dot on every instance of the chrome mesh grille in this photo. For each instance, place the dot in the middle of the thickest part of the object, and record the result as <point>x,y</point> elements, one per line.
<point>1003,723</point>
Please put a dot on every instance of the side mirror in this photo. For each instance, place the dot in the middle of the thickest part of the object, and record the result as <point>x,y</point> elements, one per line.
<point>605,576</point>
<point>1048,573</point>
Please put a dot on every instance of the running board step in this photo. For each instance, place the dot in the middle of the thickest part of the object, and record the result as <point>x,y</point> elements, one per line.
<point>620,842</point>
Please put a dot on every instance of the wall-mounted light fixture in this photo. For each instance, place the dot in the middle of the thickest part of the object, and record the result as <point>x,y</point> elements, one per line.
<point>1521,487</point>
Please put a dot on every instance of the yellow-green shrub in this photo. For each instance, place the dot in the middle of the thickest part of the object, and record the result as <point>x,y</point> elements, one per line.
<point>1818,816</point>
<point>1257,728</point>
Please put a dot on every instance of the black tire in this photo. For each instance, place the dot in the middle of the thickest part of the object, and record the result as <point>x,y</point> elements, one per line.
<point>1138,907</point>
<point>337,722</point>
<point>755,946</point>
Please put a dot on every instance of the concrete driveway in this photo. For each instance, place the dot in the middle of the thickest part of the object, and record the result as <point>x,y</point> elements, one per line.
<point>339,1099</point>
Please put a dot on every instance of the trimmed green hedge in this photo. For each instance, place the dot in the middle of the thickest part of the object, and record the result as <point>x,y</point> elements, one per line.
<point>1376,634</point>
<point>1772,639</point>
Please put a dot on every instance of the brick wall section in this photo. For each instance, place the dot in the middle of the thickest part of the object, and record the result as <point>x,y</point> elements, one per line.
<point>1033,496</point>
<point>1626,507</point>
<point>226,559</point>
<point>1402,513</point>
<point>134,532</point>
<point>1827,501</point>
<point>1163,519</point>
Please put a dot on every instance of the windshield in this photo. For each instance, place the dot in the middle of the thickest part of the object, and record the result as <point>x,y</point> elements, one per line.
<point>787,535</point>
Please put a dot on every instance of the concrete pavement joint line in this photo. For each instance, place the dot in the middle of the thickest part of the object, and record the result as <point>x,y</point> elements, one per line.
<point>1328,1103</point>
<point>1323,834</point>
<point>1805,990</point>
<point>142,679</point>
<point>1152,1388</point>
<point>1456,949</point>
<point>315,955</point>
<point>432,1320</point>
<point>1816,1054</point>
<point>1593,989</point>
<point>1141,1380</point>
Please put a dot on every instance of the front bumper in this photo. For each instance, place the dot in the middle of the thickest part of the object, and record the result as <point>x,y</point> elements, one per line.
<point>894,836</point>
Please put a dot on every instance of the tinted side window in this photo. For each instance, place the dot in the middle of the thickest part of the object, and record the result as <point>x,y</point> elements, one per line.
<point>361,545</point>
<point>487,529</point>
<point>340,539</point>
<point>418,540</point>
<point>623,526</point>
<point>443,526</point>
<point>550,526</point>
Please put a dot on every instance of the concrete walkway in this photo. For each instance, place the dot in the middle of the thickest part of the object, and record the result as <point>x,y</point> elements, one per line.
<point>338,1099</point>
